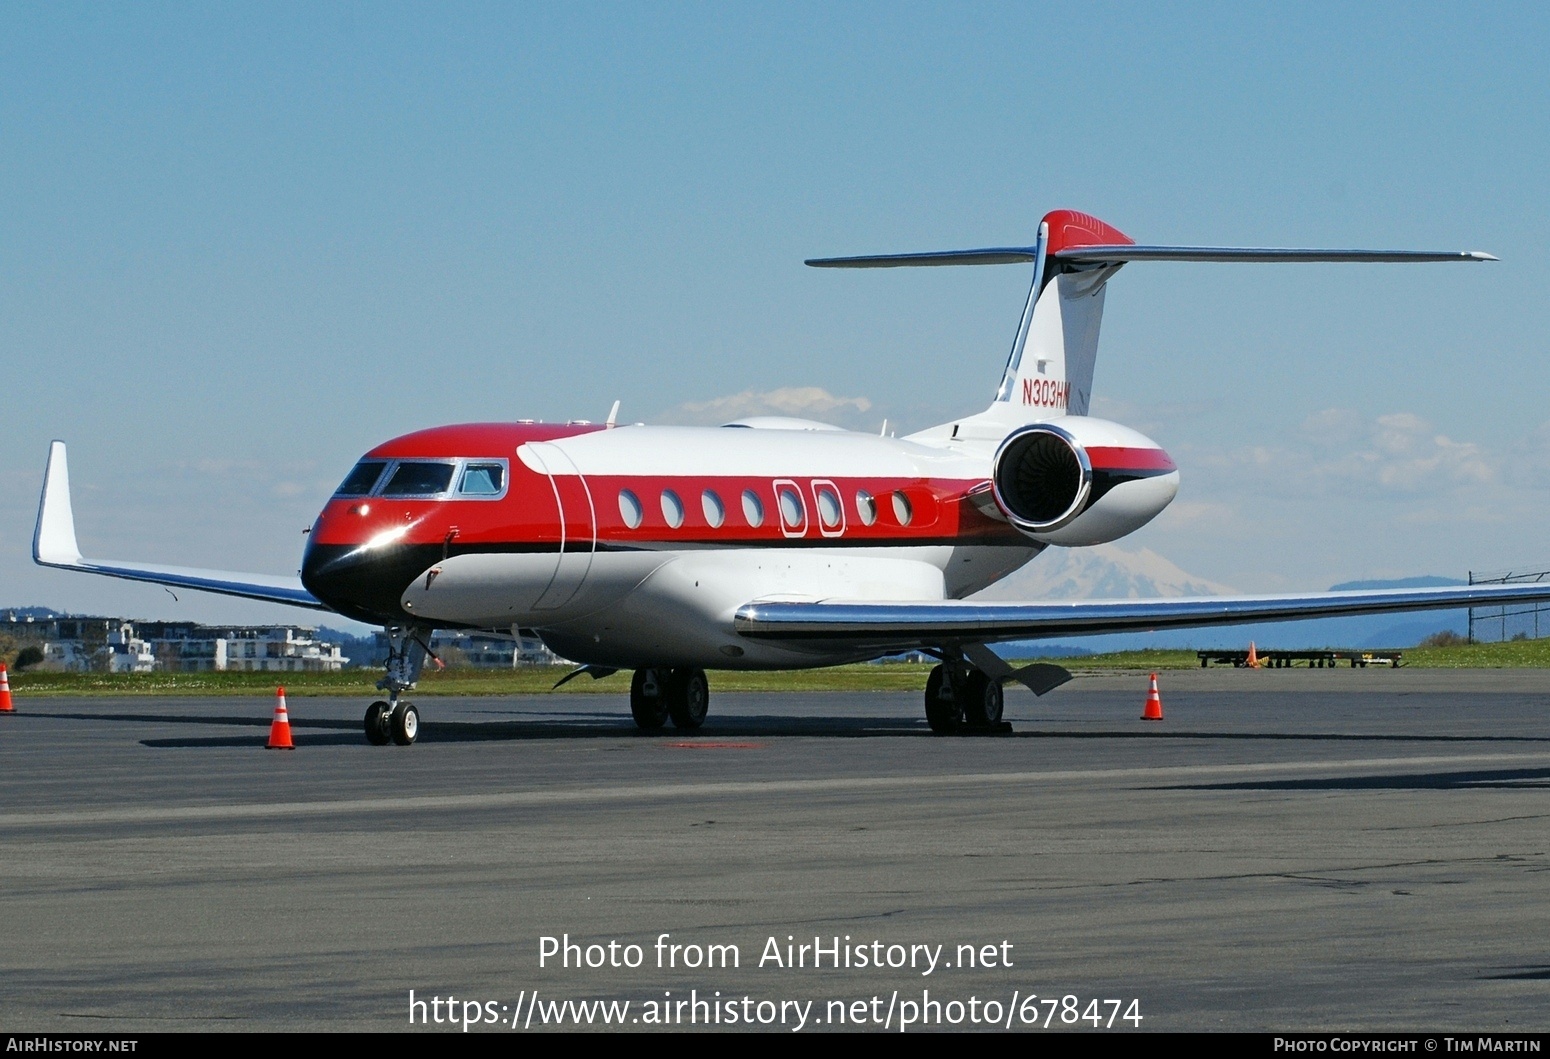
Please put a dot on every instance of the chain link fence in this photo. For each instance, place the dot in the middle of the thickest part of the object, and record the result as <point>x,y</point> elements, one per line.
<point>1516,622</point>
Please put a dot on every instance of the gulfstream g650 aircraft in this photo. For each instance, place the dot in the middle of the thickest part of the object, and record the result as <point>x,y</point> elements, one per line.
<point>770,543</point>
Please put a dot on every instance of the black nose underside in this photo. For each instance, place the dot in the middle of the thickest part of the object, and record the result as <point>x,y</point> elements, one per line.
<point>362,583</point>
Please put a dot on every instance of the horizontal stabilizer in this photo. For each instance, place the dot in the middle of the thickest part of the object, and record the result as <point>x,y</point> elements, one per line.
<point>1257,254</point>
<point>1002,255</point>
<point>1081,255</point>
<point>888,627</point>
<point>54,544</point>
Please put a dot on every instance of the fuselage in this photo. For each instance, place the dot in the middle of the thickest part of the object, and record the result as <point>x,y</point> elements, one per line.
<point>635,545</point>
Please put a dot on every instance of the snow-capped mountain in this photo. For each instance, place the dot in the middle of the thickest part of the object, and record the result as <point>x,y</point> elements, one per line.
<point>1104,572</point>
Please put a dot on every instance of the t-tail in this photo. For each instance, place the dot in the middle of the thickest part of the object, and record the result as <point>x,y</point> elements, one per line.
<point>1049,373</point>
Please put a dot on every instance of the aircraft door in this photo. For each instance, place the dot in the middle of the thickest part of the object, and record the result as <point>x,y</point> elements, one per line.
<point>578,524</point>
<point>790,508</point>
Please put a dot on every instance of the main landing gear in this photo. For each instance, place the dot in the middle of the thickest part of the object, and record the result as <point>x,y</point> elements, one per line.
<point>393,720</point>
<point>659,694</point>
<point>960,698</point>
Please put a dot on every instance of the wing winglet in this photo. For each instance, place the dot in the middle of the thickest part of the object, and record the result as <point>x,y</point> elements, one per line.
<point>53,541</point>
<point>54,544</point>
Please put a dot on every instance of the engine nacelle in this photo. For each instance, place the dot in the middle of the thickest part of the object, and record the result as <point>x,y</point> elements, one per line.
<point>1077,481</point>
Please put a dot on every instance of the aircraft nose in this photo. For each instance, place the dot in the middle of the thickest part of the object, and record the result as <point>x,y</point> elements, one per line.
<point>364,582</point>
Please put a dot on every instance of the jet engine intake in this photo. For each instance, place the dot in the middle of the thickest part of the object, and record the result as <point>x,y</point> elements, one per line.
<point>1080,481</point>
<point>1042,478</point>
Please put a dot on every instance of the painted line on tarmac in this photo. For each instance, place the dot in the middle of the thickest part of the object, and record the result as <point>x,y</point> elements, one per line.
<point>658,791</point>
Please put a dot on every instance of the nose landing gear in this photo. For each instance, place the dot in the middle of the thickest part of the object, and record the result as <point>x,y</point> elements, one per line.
<point>659,694</point>
<point>393,720</point>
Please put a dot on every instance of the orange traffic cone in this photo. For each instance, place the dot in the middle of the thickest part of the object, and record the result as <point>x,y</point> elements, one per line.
<point>1153,711</point>
<point>280,730</point>
<point>1253,662</point>
<point>5,691</point>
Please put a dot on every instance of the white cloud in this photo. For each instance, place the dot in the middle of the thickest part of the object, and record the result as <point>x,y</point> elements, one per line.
<point>812,402</point>
<point>1337,450</point>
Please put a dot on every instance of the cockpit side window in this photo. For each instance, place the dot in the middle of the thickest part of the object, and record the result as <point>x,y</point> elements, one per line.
<point>482,479</point>
<point>361,480</point>
<point>419,479</point>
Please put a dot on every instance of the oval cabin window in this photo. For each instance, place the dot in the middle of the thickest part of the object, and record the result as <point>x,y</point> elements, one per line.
<point>710,504</point>
<point>902,509</point>
<point>672,508</point>
<point>630,509</point>
<point>790,507</point>
<point>753,508</point>
<point>866,507</point>
<point>828,507</point>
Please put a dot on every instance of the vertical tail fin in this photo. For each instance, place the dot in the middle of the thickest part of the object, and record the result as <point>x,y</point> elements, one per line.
<point>1050,370</point>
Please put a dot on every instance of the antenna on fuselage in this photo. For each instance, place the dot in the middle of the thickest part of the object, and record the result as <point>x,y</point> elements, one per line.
<point>613,417</point>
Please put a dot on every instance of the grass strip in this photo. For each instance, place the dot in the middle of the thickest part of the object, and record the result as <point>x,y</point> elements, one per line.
<point>891,676</point>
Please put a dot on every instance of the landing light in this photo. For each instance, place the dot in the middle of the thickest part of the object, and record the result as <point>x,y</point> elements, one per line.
<point>386,537</point>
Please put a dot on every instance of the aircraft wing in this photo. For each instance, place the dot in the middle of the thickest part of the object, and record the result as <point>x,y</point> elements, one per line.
<point>53,544</point>
<point>954,623</point>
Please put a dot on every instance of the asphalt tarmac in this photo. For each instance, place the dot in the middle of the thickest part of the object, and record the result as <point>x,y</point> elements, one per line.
<point>1286,850</point>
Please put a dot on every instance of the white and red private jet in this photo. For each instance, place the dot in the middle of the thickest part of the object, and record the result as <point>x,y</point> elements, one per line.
<point>770,543</point>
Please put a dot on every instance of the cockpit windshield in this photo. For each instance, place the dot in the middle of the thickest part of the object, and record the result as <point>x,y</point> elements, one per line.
<point>482,479</point>
<point>477,479</point>
<point>419,479</point>
<point>361,480</point>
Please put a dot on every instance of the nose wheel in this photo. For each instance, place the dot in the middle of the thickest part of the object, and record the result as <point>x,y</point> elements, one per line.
<point>387,723</point>
<point>377,733</point>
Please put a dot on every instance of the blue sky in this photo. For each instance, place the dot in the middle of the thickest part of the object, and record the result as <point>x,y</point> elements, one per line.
<point>242,244</point>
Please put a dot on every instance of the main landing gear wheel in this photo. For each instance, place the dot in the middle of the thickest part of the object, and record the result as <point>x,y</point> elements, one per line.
<point>982,700</point>
<point>688,698</point>
<point>648,699</point>
<point>377,733</point>
<point>942,709</point>
<point>404,723</point>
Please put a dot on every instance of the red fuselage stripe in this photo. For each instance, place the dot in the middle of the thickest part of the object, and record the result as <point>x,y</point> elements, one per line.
<point>1123,459</point>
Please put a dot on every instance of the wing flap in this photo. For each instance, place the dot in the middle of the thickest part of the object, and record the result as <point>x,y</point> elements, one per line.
<point>903,626</point>
<point>54,544</point>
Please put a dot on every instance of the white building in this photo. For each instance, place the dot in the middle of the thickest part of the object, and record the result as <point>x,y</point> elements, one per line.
<point>123,652</point>
<point>489,650</point>
<point>276,649</point>
<point>117,646</point>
